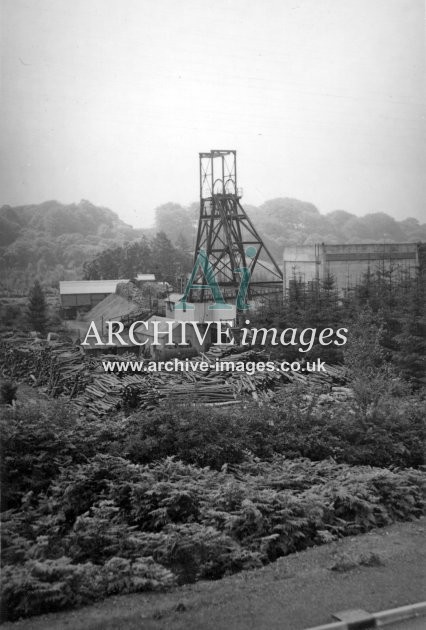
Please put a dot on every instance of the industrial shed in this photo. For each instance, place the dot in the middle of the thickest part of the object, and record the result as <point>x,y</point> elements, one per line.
<point>82,295</point>
<point>347,263</point>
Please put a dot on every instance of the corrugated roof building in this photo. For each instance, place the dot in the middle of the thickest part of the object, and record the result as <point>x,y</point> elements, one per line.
<point>348,263</point>
<point>82,295</point>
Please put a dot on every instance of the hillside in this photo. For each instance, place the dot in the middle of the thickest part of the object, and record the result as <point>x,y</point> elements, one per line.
<point>286,221</point>
<point>51,240</point>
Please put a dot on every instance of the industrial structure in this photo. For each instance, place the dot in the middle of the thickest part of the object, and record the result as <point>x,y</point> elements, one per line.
<point>82,295</point>
<point>347,264</point>
<point>227,235</point>
<point>230,250</point>
<point>79,297</point>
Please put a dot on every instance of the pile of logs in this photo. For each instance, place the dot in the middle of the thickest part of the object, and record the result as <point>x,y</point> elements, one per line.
<point>107,392</point>
<point>58,367</point>
<point>64,370</point>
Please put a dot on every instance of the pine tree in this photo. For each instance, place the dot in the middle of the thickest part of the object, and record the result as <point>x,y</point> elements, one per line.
<point>371,376</point>
<point>328,310</point>
<point>37,309</point>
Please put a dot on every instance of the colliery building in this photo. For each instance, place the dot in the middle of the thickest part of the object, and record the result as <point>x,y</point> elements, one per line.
<point>80,296</point>
<point>85,294</point>
<point>348,264</point>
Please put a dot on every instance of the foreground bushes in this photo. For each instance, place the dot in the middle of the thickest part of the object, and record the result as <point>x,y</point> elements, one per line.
<point>203,436</point>
<point>39,586</point>
<point>94,507</point>
<point>112,526</point>
<point>391,434</point>
<point>38,441</point>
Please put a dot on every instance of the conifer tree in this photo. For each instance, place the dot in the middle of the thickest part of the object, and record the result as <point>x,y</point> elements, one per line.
<point>37,309</point>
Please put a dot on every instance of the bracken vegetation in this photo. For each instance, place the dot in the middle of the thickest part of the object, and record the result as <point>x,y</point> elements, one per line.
<point>92,508</point>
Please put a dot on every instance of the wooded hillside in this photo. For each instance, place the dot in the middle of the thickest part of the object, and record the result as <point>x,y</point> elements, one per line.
<point>52,241</point>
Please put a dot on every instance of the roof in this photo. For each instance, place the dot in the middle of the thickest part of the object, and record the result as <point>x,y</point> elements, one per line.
<point>113,307</point>
<point>145,277</point>
<point>174,297</point>
<point>73,287</point>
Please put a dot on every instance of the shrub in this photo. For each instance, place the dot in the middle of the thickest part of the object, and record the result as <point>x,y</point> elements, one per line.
<point>38,440</point>
<point>37,586</point>
<point>12,316</point>
<point>195,522</point>
<point>8,392</point>
<point>82,524</point>
<point>391,433</point>
<point>199,435</point>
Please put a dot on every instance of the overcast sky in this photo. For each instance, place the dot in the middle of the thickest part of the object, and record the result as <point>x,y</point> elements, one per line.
<point>112,100</point>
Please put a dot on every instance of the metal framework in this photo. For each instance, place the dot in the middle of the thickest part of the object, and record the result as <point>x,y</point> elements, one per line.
<point>226,233</point>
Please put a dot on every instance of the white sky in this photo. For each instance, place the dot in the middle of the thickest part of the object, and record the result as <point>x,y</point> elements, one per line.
<point>112,100</point>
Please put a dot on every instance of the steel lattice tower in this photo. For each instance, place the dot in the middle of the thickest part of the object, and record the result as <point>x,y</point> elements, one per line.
<point>226,233</point>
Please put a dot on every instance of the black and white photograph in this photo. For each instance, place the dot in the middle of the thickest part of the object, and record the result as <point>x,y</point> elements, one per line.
<point>212,314</point>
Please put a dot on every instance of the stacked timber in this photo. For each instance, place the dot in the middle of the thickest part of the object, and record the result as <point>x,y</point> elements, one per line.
<point>56,366</point>
<point>63,370</point>
<point>67,372</point>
